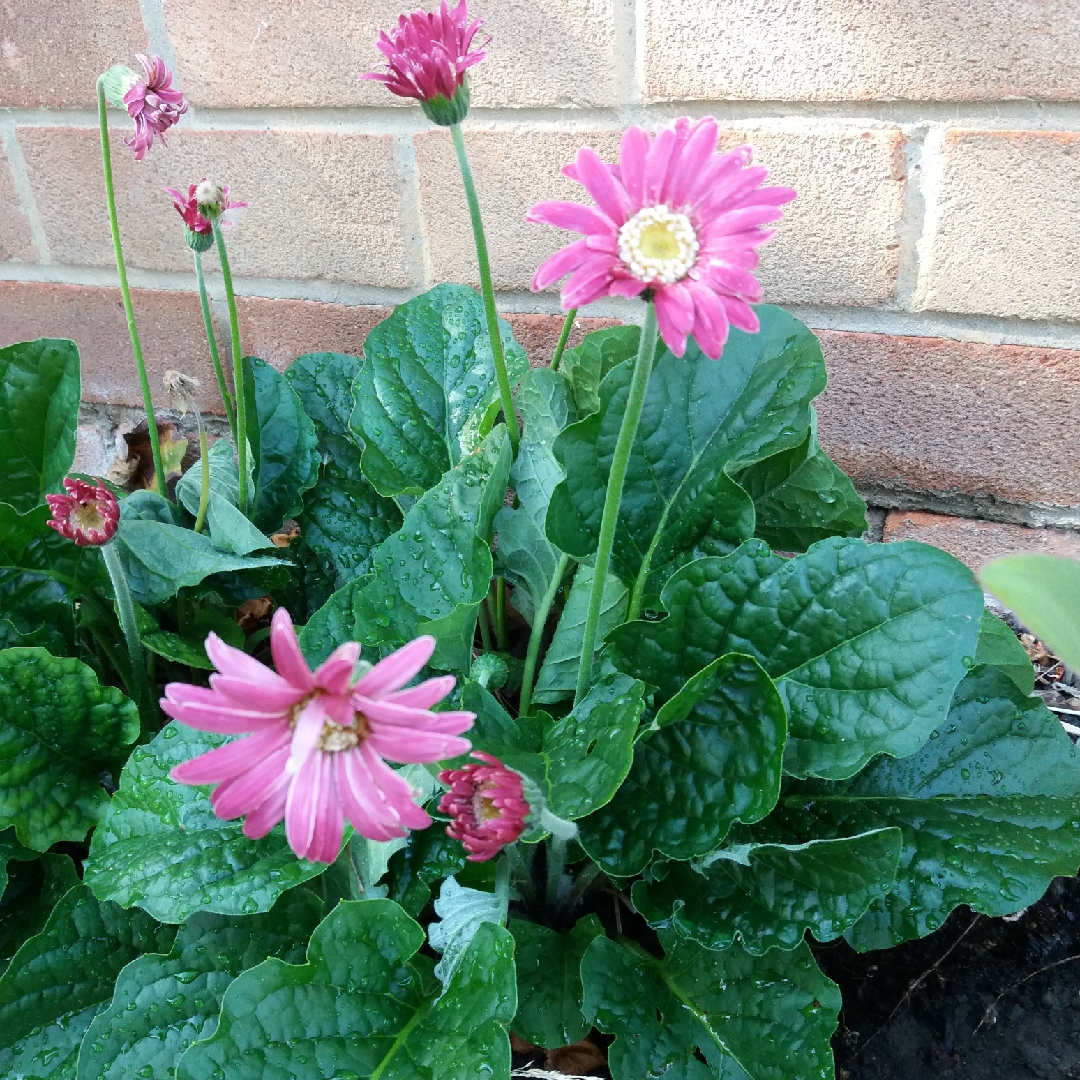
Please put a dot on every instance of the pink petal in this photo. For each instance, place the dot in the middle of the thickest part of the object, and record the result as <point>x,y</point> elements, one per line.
<point>227,762</point>
<point>302,806</point>
<point>697,151</point>
<point>395,790</point>
<point>710,322</point>
<point>589,281</point>
<point>562,262</point>
<point>288,659</point>
<point>394,671</point>
<point>656,164</point>
<point>633,151</point>
<point>362,802</point>
<point>426,694</point>
<point>675,316</point>
<point>268,813</point>
<point>238,664</point>
<point>305,736</point>
<point>251,789</point>
<point>329,820</point>
<point>741,314</point>
<point>608,193</point>
<point>397,717</point>
<point>568,215</point>
<point>335,673</point>
<point>411,747</point>
<point>270,698</point>
<point>204,710</point>
<point>718,169</point>
<point>628,286</point>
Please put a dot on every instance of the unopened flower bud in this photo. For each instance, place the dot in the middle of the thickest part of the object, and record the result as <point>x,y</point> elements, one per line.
<point>117,81</point>
<point>87,514</point>
<point>209,195</point>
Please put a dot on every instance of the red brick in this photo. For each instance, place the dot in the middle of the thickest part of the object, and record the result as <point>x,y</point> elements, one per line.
<point>977,542</point>
<point>953,418</point>
<point>170,328</point>
<point>539,334</point>
<point>281,330</point>
<point>52,53</point>
<point>16,240</point>
<point>321,205</point>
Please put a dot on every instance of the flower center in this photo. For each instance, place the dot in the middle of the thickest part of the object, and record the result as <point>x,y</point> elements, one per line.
<point>658,245</point>
<point>484,809</point>
<point>88,516</point>
<point>335,738</point>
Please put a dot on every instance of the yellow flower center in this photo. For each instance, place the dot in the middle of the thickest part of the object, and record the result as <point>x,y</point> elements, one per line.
<point>88,516</point>
<point>658,245</point>
<point>483,807</point>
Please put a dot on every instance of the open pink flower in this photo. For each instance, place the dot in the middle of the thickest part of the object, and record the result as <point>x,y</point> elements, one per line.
<point>88,514</point>
<point>188,206</point>
<point>316,749</point>
<point>428,53</point>
<point>675,218</point>
<point>487,805</point>
<point>154,104</point>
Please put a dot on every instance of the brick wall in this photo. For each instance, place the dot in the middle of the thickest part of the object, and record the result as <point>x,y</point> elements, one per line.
<point>935,145</point>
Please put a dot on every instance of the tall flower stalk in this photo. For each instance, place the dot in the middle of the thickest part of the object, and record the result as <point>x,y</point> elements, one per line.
<point>227,398</point>
<point>125,291</point>
<point>639,385</point>
<point>238,369</point>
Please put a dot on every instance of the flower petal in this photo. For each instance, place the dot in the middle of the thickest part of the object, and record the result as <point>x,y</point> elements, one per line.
<point>205,710</point>
<point>229,761</point>
<point>408,746</point>
<point>565,260</point>
<point>305,736</point>
<point>335,673</point>
<point>394,671</point>
<point>288,659</point>
<point>364,805</point>
<point>607,192</point>
<point>633,151</point>
<point>237,797</point>
<point>426,694</point>
<point>238,664</point>
<point>302,806</point>
<point>569,215</point>
<point>268,813</point>
<point>675,316</point>
<point>242,693</point>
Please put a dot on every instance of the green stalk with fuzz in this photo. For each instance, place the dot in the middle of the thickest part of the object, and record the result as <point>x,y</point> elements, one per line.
<point>227,398</point>
<point>238,368</point>
<point>536,635</point>
<point>486,289</point>
<point>125,291</point>
<point>639,384</point>
<point>126,610</point>
<point>564,337</point>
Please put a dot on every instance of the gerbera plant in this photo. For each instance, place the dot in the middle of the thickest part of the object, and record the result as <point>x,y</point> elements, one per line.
<point>445,698</point>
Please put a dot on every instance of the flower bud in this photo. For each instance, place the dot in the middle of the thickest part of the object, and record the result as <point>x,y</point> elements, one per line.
<point>117,81</point>
<point>447,113</point>
<point>87,514</point>
<point>209,195</point>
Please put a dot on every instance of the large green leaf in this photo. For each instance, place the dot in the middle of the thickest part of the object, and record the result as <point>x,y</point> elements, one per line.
<point>766,896</point>
<point>163,1003</point>
<point>702,419</point>
<point>365,1005</point>
<point>558,673</point>
<point>161,846</point>
<point>323,383</point>
<point>1044,591</point>
<point>866,641</point>
<point>39,411</point>
<point>431,575</point>
<point>427,856</point>
<point>33,889</point>
<point>764,1017</point>
<point>714,759</point>
<point>526,556</point>
<point>462,912</point>
<point>59,730</point>
<point>61,978</point>
<point>428,380</point>
<point>988,809</point>
<point>802,496</point>
<point>344,520</point>
<point>1000,647</point>
<point>549,981</point>
<point>586,364</point>
<point>578,761</point>
<point>285,457</point>
<point>224,478</point>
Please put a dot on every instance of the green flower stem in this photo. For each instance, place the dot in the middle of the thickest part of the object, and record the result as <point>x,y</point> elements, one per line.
<point>486,289</point>
<point>616,477</point>
<point>125,291</point>
<point>204,494</point>
<point>564,337</point>
<point>522,874</point>
<point>485,632</point>
<point>238,369</point>
<point>227,398</point>
<point>502,885</point>
<point>536,635</point>
<point>500,613</point>
<point>126,610</point>
<point>580,886</point>
<point>556,863</point>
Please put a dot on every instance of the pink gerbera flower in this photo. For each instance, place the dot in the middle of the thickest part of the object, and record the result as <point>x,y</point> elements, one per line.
<point>88,514</point>
<point>487,805</point>
<point>315,755</point>
<point>427,55</point>
<point>674,218</point>
<point>188,208</point>
<point>207,196</point>
<point>153,103</point>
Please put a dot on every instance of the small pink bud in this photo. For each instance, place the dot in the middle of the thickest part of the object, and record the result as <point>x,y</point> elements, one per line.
<point>87,514</point>
<point>487,805</point>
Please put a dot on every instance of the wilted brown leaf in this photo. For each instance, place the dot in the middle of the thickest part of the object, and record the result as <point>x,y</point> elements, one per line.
<point>576,1060</point>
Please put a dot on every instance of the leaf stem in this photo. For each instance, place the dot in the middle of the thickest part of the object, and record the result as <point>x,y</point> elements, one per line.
<point>580,887</point>
<point>500,613</point>
<point>126,610</point>
<point>502,885</point>
<point>556,862</point>
<point>486,289</point>
<point>125,291</point>
<point>227,398</point>
<point>536,635</point>
<point>238,368</point>
<point>616,478</point>
<point>204,457</point>
<point>485,632</point>
<point>564,337</point>
<point>521,873</point>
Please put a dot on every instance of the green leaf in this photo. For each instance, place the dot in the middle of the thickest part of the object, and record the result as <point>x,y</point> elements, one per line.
<point>427,857</point>
<point>344,520</point>
<point>161,846</point>
<point>865,641</point>
<point>365,1005</point>
<point>59,730</point>
<point>160,558</point>
<point>428,380</point>
<point>764,1017</point>
<point>802,496</point>
<point>224,478</point>
<point>714,760</point>
<point>11,851</point>
<point>323,383</point>
<point>461,912</point>
<point>39,411</point>
<point>163,1003</point>
<point>33,890</point>
<point>558,673</point>
<point>988,810</point>
<point>701,420</point>
<point>1044,591</point>
<point>61,978</point>
<point>765,896</point>
<point>285,456</point>
<point>585,365</point>
<point>525,555</point>
<point>998,645</point>
<point>549,981</point>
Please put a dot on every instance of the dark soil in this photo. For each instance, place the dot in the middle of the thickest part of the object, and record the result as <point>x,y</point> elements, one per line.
<point>980,999</point>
